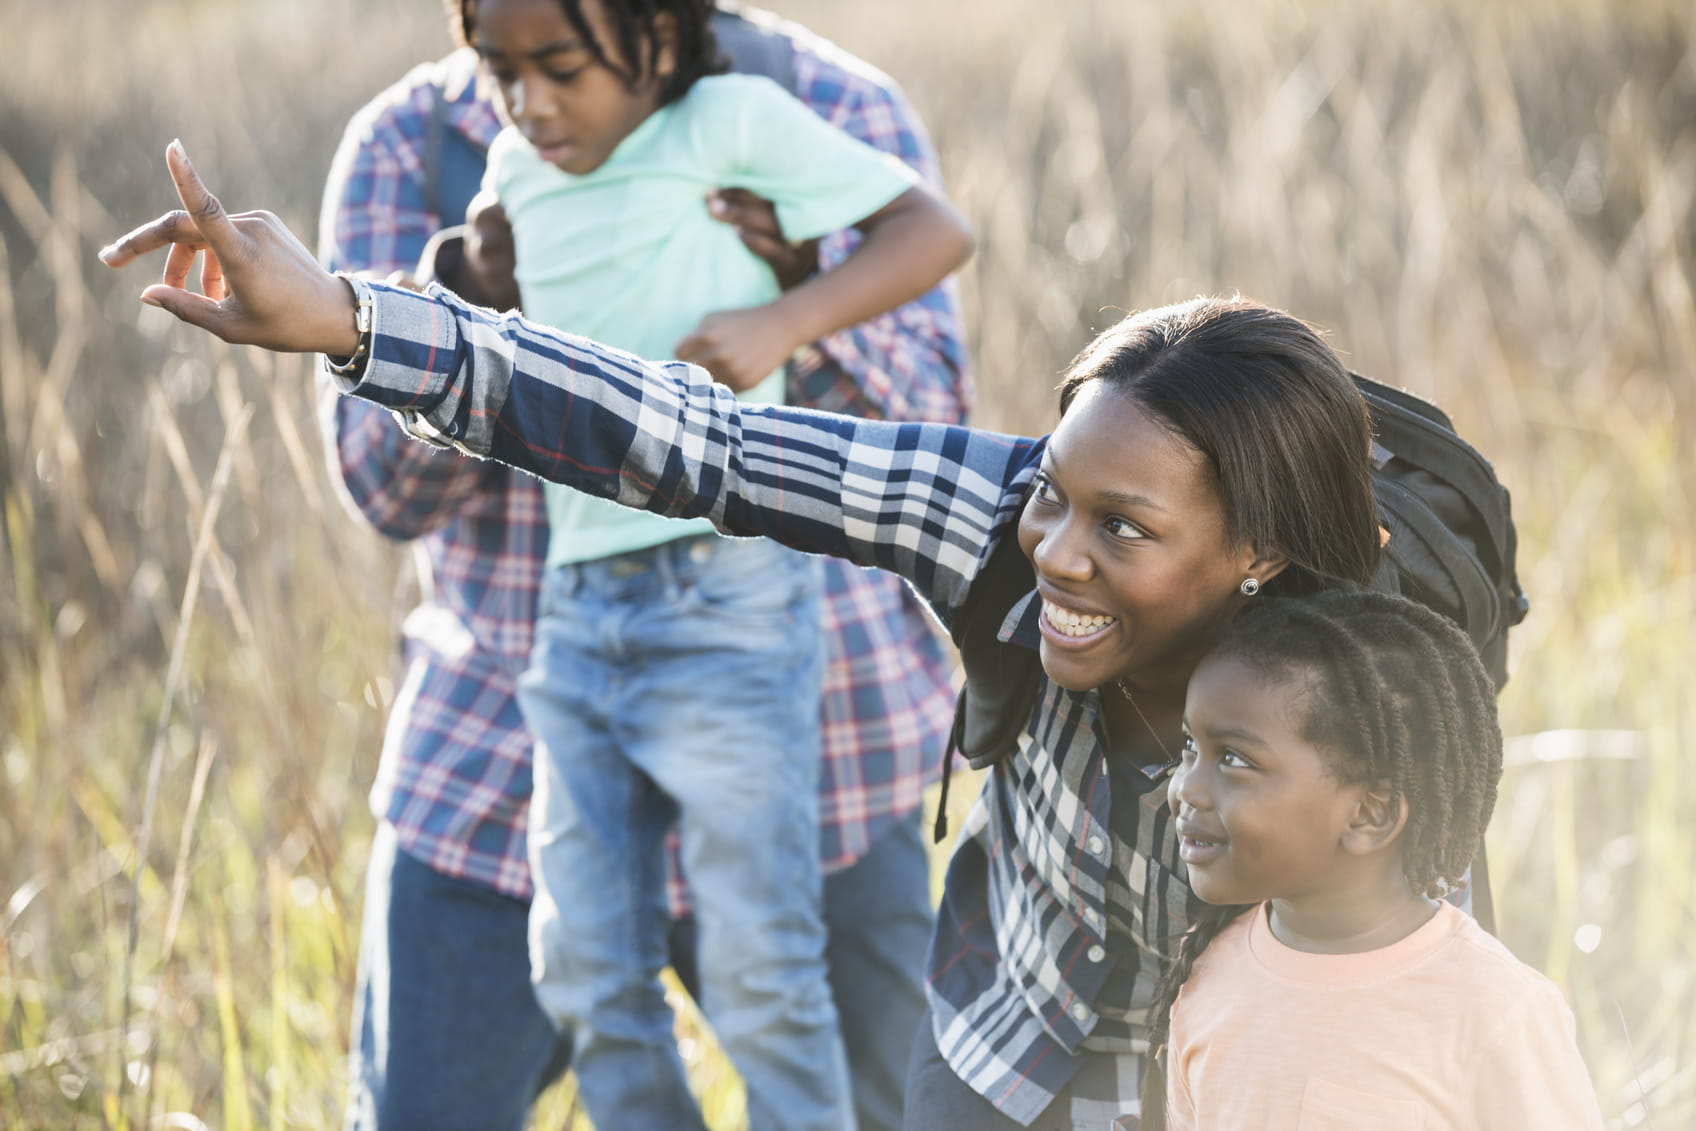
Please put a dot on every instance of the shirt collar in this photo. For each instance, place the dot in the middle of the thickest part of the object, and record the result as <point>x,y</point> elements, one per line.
<point>1020,625</point>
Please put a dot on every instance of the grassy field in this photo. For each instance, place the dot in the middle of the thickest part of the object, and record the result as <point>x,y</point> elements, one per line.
<point>1490,204</point>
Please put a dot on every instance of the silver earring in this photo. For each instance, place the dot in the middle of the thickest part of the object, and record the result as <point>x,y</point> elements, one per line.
<point>1249,587</point>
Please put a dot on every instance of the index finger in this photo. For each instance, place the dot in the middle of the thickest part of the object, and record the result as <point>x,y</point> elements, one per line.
<point>200,223</point>
<point>208,215</point>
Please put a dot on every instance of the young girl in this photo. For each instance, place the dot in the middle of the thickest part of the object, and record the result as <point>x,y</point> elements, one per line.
<point>676,673</point>
<point>1339,767</point>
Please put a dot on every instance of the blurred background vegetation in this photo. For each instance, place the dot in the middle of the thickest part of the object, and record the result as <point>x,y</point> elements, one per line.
<point>1490,204</point>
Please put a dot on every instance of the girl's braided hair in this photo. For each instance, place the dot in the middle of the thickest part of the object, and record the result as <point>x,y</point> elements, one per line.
<point>633,24</point>
<point>1392,693</point>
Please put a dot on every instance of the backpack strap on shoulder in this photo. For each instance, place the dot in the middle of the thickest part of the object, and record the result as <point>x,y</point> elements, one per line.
<point>1003,678</point>
<point>1425,436</point>
<point>1153,1092</point>
<point>755,43</point>
<point>434,127</point>
<point>453,163</point>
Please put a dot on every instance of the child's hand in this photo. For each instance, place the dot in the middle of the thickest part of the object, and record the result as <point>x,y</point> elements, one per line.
<point>740,348</point>
<point>755,220</point>
<point>489,261</point>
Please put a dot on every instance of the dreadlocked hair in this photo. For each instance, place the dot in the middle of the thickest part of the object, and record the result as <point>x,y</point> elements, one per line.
<point>1209,923</point>
<point>698,54</point>
<point>1392,693</point>
<point>1395,693</point>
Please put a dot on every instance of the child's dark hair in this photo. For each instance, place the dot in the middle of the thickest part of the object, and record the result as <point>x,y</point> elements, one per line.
<point>1392,693</point>
<point>633,23</point>
<point>1283,428</point>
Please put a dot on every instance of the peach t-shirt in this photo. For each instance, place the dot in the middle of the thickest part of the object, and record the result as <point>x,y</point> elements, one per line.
<point>1444,1029</point>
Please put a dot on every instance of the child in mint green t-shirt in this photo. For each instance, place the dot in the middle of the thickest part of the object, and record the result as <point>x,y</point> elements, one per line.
<point>675,675</point>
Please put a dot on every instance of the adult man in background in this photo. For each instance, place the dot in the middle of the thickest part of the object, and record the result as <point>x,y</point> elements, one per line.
<point>446,1031</point>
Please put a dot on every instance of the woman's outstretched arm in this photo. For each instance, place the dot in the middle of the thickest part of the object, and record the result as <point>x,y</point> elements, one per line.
<point>923,500</point>
<point>926,501</point>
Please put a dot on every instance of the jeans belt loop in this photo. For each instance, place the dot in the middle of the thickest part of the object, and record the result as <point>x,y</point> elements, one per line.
<point>669,561</point>
<point>628,565</point>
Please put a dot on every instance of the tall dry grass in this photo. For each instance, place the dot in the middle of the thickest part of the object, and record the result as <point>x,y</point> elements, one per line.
<point>1491,204</point>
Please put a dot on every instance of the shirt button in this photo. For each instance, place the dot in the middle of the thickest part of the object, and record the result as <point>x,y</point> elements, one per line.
<point>1096,846</point>
<point>1080,1012</point>
<point>1096,954</point>
<point>1092,918</point>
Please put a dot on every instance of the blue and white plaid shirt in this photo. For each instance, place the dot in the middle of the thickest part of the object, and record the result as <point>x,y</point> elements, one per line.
<point>455,774</point>
<point>1055,895</point>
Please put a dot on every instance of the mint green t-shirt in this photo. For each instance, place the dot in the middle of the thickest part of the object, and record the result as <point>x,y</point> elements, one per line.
<point>628,254</point>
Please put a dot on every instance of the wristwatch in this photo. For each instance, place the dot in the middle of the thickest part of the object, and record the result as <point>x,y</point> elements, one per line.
<point>363,302</point>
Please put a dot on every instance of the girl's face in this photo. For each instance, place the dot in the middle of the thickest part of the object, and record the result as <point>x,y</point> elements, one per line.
<point>1127,534</point>
<point>1259,813</point>
<point>568,105</point>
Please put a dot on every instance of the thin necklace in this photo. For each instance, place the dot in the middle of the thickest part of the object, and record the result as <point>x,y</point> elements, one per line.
<point>1154,734</point>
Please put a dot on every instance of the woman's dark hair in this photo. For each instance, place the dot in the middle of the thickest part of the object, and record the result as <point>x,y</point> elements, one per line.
<point>633,23</point>
<point>1282,426</point>
<point>1392,694</point>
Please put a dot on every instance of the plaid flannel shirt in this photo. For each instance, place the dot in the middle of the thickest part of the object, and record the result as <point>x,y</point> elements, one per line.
<point>1055,896</point>
<point>455,773</point>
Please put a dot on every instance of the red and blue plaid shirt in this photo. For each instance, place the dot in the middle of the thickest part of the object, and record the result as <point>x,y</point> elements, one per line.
<point>455,773</point>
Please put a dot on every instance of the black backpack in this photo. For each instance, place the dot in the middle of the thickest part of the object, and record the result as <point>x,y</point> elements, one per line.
<point>1452,540</point>
<point>1452,547</point>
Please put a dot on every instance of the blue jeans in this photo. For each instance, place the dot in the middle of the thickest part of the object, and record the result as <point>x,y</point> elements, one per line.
<point>681,683</point>
<point>878,915</point>
<point>447,1033</point>
<point>878,921</point>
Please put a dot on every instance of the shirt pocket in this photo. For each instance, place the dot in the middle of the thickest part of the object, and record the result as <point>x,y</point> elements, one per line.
<point>1331,1107</point>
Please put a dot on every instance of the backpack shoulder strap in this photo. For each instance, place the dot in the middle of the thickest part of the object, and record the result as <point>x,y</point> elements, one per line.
<point>1425,548</point>
<point>755,43</point>
<point>1425,435</point>
<point>1153,1091</point>
<point>1002,679</point>
<point>434,126</point>
<point>453,163</point>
